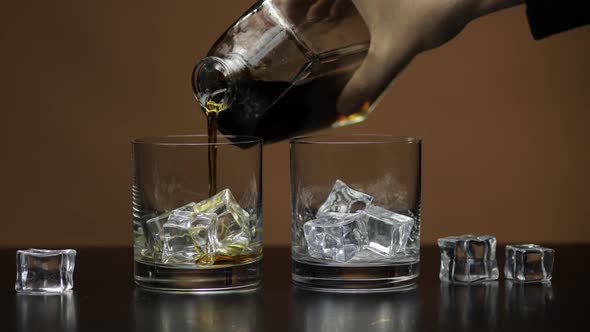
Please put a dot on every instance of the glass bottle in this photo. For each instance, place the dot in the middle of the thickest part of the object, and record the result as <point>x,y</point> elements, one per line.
<point>278,71</point>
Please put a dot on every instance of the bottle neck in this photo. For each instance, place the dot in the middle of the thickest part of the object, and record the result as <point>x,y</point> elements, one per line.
<point>215,81</point>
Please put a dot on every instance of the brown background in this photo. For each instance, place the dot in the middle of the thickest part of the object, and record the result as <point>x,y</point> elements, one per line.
<point>504,120</point>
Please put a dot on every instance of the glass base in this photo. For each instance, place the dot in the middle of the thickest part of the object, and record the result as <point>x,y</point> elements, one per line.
<point>339,278</point>
<point>182,279</point>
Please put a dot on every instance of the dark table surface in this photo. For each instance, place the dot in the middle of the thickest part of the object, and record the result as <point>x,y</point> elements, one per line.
<point>105,299</point>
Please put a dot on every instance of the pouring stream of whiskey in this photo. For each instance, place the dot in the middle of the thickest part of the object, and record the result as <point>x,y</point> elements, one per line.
<point>211,111</point>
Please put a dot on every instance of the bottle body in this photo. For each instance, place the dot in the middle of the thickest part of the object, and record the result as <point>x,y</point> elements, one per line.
<point>279,70</point>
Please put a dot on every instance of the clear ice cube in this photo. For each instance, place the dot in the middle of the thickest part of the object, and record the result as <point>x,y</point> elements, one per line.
<point>529,263</point>
<point>343,199</point>
<point>387,232</point>
<point>233,224</point>
<point>152,230</point>
<point>231,231</point>
<point>468,258</point>
<point>154,226</point>
<point>45,271</point>
<point>187,236</point>
<point>335,236</point>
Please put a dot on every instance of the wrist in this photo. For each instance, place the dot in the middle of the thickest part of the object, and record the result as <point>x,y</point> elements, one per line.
<point>486,7</point>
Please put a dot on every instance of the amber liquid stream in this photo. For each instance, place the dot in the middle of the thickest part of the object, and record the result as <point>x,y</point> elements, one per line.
<point>212,150</point>
<point>212,113</point>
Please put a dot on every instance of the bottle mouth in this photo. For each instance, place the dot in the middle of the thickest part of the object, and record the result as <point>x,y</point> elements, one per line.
<point>213,84</point>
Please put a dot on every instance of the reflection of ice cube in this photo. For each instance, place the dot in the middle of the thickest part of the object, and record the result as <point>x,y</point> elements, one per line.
<point>529,263</point>
<point>336,236</point>
<point>343,199</point>
<point>468,258</point>
<point>387,232</point>
<point>460,305</point>
<point>233,224</point>
<point>250,201</point>
<point>139,242</point>
<point>45,271</point>
<point>301,213</point>
<point>187,236</point>
<point>415,234</point>
<point>526,302</point>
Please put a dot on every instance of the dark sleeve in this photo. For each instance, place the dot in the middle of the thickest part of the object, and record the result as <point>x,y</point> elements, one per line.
<point>548,17</point>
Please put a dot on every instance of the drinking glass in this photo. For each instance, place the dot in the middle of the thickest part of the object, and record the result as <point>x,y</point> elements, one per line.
<point>185,239</point>
<point>355,203</point>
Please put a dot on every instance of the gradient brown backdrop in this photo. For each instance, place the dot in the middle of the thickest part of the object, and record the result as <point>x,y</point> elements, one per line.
<point>504,120</point>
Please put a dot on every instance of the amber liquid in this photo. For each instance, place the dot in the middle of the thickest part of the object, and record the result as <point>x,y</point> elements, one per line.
<point>253,253</point>
<point>221,259</point>
<point>274,110</point>
<point>238,254</point>
<point>212,150</point>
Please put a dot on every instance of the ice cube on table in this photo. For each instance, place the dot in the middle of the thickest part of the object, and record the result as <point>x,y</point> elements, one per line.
<point>343,199</point>
<point>45,271</point>
<point>187,236</point>
<point>468,258</point>
<point>233,222</point>
<point>335,236</point>
<point>529,263</point>
<point>387,232</point>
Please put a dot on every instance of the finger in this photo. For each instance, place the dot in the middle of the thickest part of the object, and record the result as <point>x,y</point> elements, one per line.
<point>295,10</point>
<point>319,10</point>
<point>370,80</point>
<point>339,7</point>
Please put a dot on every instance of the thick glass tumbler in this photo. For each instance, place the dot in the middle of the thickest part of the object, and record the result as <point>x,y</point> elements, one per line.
<point>355,203</point>
<point>197,212</point>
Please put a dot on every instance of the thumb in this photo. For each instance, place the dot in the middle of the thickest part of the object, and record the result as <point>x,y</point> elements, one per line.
<point>373,76</point>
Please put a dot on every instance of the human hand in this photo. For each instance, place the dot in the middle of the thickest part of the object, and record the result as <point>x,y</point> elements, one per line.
<point>303,12</point>
<point>401,29</point>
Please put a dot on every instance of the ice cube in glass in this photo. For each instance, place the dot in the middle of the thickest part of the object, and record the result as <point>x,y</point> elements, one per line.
<point>335,236</point>
<point>188,236</point>
<point>152,230</point>
<point>344,199</point>
<point>232,232</point>
<point>387,232</point>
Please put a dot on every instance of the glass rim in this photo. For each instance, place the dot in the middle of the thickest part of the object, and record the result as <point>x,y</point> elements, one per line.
<point>355,139</point>
<point>191,140</point>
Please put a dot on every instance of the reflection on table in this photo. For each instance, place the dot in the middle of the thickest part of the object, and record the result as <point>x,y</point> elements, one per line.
<point>342,312</point>
<point>173,312</point>
<point>36,312</point>
<point>527,301</point>
<point>468,307</point>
